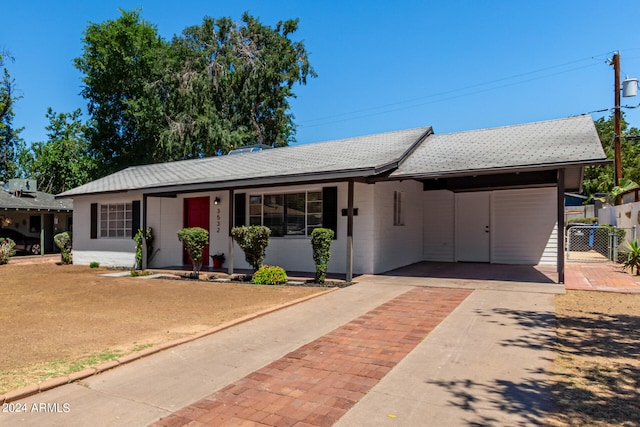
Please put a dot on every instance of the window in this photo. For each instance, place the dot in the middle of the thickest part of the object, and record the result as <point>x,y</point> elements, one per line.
<point>35,224</point>
<point>116,220</point>
<point>398,208</point>
<point>295,214</point>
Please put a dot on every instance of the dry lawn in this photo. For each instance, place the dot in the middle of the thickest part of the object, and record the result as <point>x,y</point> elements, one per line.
<point>57,319</point>
<point>597,371</point>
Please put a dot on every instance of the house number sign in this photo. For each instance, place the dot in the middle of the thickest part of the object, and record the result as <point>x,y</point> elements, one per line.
<point>218,220</point>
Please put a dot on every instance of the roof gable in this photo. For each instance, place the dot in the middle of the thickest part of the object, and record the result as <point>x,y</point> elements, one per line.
<point>550,143</point>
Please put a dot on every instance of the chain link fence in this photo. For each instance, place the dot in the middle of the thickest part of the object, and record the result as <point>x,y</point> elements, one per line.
<point>597,243</point>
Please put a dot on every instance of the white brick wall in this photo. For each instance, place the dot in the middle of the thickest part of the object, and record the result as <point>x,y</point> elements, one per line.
<point>397,245</point>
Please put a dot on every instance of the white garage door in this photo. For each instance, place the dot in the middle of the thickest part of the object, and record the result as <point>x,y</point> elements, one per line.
<point>521,223</point>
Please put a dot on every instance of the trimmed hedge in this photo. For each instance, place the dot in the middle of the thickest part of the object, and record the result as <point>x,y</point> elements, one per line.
<point>321,239</point>
<point>253,241</point>
<point>63,241</point>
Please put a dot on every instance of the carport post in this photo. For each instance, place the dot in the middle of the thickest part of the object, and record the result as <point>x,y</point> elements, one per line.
<point>350,231</point>
<point>560,219</point>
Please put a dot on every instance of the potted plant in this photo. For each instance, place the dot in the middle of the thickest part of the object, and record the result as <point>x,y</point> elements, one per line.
<point>218,260</point>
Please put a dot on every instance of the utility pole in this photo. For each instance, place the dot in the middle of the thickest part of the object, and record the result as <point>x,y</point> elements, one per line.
<point>617,127</point>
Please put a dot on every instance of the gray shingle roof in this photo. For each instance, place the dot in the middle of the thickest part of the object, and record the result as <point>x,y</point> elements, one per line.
<point>34,201</point>
<point>364,155</point>
<point>571,141</point>
<point>555,142</point>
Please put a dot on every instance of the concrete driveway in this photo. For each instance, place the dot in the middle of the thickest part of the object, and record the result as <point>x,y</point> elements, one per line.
<point>414,352</point>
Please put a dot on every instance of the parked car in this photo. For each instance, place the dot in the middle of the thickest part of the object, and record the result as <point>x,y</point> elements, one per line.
<point>23,243</point>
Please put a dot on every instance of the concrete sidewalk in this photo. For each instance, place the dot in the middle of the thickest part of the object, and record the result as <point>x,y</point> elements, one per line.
<point>484,364</point>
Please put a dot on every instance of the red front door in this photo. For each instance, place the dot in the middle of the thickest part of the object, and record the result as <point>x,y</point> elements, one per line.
<point>196,214</point>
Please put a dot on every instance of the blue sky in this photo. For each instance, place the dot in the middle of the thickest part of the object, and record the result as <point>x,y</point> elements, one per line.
<point>382,66</point>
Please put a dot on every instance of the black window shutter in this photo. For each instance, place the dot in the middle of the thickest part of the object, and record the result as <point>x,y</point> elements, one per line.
<point>330,209</point>
<point>135,217</point>
<point>94,220</point>
<point>240,209</point>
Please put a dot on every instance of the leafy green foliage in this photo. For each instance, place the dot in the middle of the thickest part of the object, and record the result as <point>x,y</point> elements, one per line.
<point>599,179</point>
<point>94,264</point>
<point>147,236</point>
<point>253,241</point>
<point>588,220</point>
<point>321,239</point>
<point>269,275</point>
<point>217,85</point>
<point>121,61</point>
<point>10,140</point>
<point>63,161</point>
<point>194,239</point>
<point>64,242</point>
<point>6,249</point>
<point>633,256</point>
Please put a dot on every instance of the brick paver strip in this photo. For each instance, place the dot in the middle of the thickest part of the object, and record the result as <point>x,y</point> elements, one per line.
<point>319,382</point>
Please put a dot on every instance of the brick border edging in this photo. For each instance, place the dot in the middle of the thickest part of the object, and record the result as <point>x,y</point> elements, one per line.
<point>33,389</point>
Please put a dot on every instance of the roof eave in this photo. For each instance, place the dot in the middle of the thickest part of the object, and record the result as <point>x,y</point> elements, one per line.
<point>243,183</point>
<point>508,169</point>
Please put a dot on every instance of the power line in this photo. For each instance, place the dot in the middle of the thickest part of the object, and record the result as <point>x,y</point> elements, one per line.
<point>421,101</point>
<point>328,119</point>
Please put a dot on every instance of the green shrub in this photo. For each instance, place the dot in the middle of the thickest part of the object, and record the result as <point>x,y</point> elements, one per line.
<point>632,253</point>
<point>587,220</point>
<point>139,273</point>
<point>6,249</point>
<point>148,237</point>
<point>194,239</point>
<point>253,241</point>
<point>321,239</point>
<point>63,241</point>
<point>94,264</point>
<point>266,275</point>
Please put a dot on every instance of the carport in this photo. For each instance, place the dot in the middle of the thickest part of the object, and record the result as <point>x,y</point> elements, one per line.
<point>471,275</point>
<point>496,196</point>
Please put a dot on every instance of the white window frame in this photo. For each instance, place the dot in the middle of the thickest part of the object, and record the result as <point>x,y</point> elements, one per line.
<point>115,221</point>
<point>255,218</point>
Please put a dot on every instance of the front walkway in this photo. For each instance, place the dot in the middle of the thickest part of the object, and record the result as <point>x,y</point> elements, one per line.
<point>600,276</point>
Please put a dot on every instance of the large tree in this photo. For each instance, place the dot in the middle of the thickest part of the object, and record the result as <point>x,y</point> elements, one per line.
<point>218,85</point>
<point>599,179</point>
<point>232,85</point>
<point>63,161</point>
<point>120,59</point>
<point>9,135</point>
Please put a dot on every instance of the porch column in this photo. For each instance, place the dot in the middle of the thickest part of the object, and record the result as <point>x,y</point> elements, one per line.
<point>231,215</point>
<point>560,220</point>
<point>42,234</point>
<point>350,231</point>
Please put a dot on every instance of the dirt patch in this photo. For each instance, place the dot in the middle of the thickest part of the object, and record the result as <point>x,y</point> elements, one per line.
<point>596,378</point>
<point>50,312</point>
